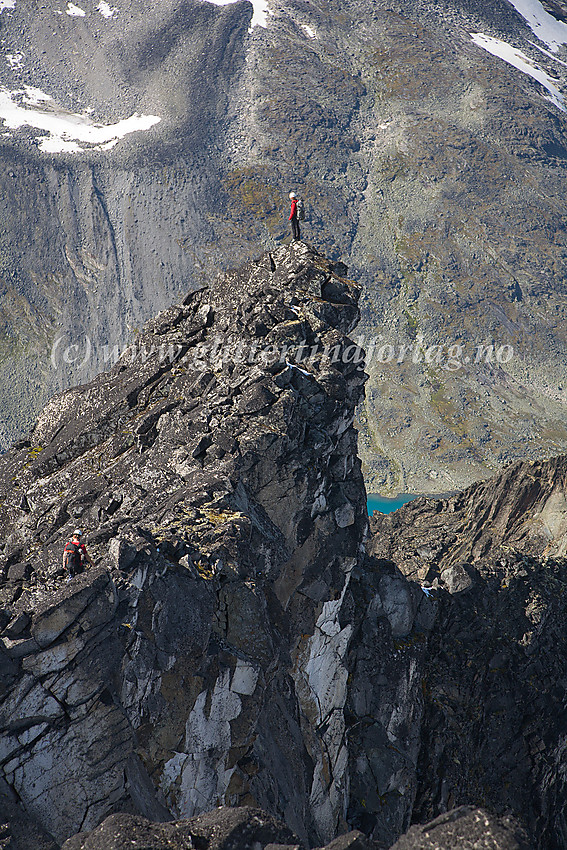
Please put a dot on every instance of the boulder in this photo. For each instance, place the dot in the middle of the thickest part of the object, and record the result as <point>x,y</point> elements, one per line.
<point>90,596</point>
<point>222,829</point>
<point>465,828</point>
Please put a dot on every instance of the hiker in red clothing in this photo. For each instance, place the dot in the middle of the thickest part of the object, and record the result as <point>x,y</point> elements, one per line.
<point>294,216</point>
<point>75,555</point>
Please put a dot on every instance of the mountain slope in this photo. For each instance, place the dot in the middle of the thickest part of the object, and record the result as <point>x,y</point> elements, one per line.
<point>493,732</point>
<point>434,167</point>
<point>235,644</point>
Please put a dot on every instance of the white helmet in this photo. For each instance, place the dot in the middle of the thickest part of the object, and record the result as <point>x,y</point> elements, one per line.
<point>292,195</point>
<point>77,533</point>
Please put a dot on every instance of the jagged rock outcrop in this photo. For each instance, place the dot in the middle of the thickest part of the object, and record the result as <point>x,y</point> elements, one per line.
<point>250,829</point>
<point>235,645</point>
<point>220,651</point>
<point>243,828</point>
<point>494,730</point>
<point>385,699</point>
<point>467,829</point>
<point>524,507</point>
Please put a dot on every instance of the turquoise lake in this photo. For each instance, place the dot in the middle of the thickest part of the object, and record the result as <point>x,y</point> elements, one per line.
<point>386,506</point>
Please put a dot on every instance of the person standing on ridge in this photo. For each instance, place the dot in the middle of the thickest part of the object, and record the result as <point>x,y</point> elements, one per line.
<point>75,555</point>
<point>294,216</point>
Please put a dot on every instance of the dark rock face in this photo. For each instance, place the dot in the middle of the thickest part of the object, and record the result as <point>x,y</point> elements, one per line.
<point>385,699</point>
<point>235,645</point>
<point>493,731</point>
<point>17,829</point>
<point>524,507</point>
<point>495,697</point>
<point>205,659</point>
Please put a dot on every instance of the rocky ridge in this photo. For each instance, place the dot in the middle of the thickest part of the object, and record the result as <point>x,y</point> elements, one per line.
<point>250,829</point>
<point>495,677</point>
<point>237,644</point>
<point>219,651</point>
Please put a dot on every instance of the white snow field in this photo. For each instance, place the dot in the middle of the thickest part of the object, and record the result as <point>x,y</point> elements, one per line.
<point>261,11</point>
<point>547,28</point>
<point>309,31</point>
<point>523,63</point>
<point>75,11</point>
<point>106,10</point>
<point>66,129</point>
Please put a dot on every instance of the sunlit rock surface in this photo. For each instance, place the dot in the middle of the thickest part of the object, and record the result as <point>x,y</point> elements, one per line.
<point>237,644</point>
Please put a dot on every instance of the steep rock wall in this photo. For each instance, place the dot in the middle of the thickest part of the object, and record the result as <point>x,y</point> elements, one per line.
<point>206,658</point>
<point>494,679</point>
<point>235,644</point>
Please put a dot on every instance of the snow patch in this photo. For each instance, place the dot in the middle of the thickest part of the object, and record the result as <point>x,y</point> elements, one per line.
<point>106,10</point>
<point>66,129</point>
<point>55,145</point>
<point>309,31</point>
<point>15,60</point>
<point>35,96</point>
<point>547,28</point>
<point>261,11</point>
<point>7,4</point>
<point>75,11</point>
<point>523,63</point>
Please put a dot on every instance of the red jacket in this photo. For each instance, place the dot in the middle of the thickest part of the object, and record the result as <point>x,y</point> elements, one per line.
<point>82,549</point>
<point>293,213</point>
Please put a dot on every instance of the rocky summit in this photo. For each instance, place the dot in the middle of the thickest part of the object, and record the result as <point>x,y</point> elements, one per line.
<point>247,664</point>
<point>233,644</point>
<point>204,658</point>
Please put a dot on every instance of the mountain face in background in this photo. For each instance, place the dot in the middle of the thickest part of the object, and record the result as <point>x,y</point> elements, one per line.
<point>146,146</point>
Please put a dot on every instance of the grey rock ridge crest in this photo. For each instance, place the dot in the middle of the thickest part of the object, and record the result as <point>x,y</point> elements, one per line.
<point>248,665</point>
<point>493,728</point>
<point>204,660</point>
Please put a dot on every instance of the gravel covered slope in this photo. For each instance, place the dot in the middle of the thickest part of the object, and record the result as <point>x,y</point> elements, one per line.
<point>433,168</point>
